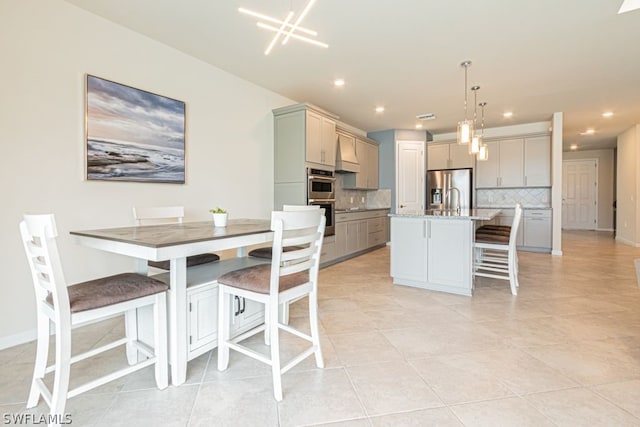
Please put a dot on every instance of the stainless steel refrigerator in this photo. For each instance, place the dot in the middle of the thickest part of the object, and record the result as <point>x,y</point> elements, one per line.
<point>442,185</point>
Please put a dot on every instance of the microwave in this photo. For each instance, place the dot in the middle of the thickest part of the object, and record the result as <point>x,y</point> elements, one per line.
<point>321,184</point>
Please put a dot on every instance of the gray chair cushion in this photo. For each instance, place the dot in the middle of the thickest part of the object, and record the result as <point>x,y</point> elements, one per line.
<point>191,261</point>
<point>257,279</point>
<point>267,253</point>
<point>111,290</point>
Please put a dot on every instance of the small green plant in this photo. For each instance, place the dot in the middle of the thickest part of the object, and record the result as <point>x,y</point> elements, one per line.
<point>217,210</point>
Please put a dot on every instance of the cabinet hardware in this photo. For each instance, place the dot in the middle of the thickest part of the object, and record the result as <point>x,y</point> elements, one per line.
<point>244,304</point>
<point>190,308</point>
<point>190,339</point>
<point>236,311</point>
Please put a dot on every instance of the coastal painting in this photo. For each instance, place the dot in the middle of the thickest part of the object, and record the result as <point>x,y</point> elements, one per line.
<point>133,135</point>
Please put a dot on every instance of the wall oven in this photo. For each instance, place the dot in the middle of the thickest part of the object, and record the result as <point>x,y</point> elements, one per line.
<point>322,184</point>
<point>321,192</point>
<point>329,213</point>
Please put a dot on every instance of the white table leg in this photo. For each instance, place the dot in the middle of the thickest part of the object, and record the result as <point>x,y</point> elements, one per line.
<point>178,320</point>
<point>131,319</point>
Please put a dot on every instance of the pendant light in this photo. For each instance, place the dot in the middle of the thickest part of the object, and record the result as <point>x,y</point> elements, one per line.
<point>465,127</point>
<point>483,153</point>
<point>476,140</point>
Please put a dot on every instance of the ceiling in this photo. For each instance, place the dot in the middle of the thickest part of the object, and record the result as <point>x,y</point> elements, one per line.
<point>530,57</point>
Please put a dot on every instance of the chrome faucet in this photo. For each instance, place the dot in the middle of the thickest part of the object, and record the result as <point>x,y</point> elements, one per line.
<point>448,196</point>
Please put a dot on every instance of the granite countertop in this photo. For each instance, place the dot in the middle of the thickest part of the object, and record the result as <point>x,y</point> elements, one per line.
<point>472,214</point>
<point>353,210</point>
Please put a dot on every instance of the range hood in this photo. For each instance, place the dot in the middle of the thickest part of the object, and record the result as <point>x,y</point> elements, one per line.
<point>346,159</point>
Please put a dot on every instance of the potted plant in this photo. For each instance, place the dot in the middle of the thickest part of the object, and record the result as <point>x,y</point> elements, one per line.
<point>219,217</point>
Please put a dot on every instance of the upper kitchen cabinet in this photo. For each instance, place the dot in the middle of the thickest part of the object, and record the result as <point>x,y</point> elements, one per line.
<point>303,134</point>
<point>537,161</point>
<point>518,162</point>
<point>505,167</point>
<point>367,178</point>
<point>321,139</point>
<point>448,156</point>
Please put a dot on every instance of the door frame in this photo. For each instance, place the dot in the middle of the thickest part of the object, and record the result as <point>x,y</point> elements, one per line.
<point>595,189</point>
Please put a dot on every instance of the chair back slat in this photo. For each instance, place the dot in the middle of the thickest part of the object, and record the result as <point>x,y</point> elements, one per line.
<point>39,234</point>
<point>158,215</point>
<point>298,254</point>
<point>296,268</point>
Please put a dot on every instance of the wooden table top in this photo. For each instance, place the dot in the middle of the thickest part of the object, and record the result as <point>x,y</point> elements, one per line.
<point>163,235</point>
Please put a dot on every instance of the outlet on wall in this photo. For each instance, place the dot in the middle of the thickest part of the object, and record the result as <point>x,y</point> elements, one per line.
<point>351,199</point>
<point>362,199</point>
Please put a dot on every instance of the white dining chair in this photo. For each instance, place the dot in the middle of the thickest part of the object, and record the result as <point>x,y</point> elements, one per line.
<point>495,255</point>
<point>165,215</point>
<point>72,306</point>
<point>290,275</point>
<point>265,251</point>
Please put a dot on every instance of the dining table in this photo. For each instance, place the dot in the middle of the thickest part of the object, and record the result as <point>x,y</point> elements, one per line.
<point>173,242</point>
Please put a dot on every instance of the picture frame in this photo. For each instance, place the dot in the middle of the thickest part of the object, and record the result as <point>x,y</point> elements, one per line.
<point>132,134</point>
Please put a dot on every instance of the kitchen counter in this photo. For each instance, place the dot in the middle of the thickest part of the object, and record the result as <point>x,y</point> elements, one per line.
<point>433,249</point>
<point>352,210</point>
<point>468,214</point>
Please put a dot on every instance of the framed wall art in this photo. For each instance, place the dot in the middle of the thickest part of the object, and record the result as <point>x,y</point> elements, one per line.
<point>133,135</point>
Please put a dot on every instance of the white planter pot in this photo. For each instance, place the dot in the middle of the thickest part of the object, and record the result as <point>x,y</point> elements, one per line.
<point>220,219</point>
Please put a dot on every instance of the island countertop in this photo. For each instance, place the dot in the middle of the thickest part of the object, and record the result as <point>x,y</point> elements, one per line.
<point>469,214</point>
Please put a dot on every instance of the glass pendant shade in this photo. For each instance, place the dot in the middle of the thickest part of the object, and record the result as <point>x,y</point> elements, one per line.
<point>465,131</point>
<point>476,143</point>
<point>483,154</point>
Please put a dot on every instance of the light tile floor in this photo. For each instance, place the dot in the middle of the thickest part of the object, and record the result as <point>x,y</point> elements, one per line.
<point>565,351</point>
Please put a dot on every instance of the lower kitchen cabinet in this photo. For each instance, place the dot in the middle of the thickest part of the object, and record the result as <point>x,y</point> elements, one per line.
<point>408,258</point>
<point>328,249</point>
<point>432,253</point>
<point>359,231</point>
<point>449,249</point>
<point>537,229</point>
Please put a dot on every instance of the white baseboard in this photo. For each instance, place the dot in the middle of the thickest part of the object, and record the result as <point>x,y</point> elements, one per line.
<point>17,339</point>
<point>627,242</point>
<point>604,229</point>
<point>556,253</point>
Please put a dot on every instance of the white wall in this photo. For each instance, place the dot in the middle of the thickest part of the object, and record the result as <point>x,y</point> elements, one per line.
<point>628,177</point>
<point>46,48</point>
<point>606,174</point>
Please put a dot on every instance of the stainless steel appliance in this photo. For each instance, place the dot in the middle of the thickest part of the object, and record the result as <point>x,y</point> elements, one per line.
<point>321,192</point>
<point>322,184</point>
<point>449,189</point>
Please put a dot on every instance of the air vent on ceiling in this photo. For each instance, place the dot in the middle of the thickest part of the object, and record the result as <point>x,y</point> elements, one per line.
<point>428,116</point>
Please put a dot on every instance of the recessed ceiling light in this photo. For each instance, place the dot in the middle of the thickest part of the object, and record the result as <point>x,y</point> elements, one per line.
<point>574,146</point>
<point>379,109</point>
<point>507,114</point>
<point>419,126</point>
<point>607,114</point>
<point>588,132</point>
<point>338,82</point>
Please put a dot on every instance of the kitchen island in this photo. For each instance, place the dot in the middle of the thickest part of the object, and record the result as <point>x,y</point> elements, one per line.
<point>433,249</point>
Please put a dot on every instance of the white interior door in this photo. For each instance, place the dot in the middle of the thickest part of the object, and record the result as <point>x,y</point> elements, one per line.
<point>410,176</point>
<point>579,189</point>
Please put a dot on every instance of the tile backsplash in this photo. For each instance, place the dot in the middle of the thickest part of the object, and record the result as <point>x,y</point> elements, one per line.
<point>508,197</point>
<point>361,199</point>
